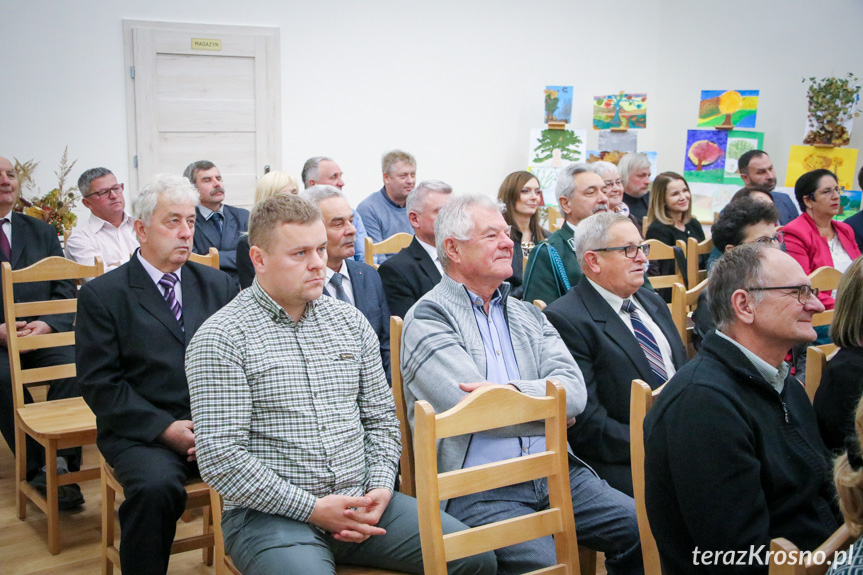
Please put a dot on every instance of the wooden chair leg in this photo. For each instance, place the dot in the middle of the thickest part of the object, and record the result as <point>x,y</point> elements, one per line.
<point>586,561</point>
<point>20,472</point>
<point>107,525</point>
<point>207,552</point>
<point>52,496</point>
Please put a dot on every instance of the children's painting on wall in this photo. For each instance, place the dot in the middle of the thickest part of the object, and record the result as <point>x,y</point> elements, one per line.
<point>556,148</point>
<point>705,156</point>
<point>840,161</point>
<point>621,141</point>
<point>558,104</point>
<point>621,110</point>
<point>614,157</point>
<point>547,178</point>
<point>850,202</point>
<point>728,109</point>
<point>738,144</point>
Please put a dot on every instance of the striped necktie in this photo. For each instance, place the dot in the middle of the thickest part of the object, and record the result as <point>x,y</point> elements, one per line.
<point>217,218</point>
<point>336,281</point>
<point>168,282</point>
<point>647,342</point>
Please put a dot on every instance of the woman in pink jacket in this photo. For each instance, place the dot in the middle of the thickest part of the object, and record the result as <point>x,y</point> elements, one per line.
<point>814,239</point>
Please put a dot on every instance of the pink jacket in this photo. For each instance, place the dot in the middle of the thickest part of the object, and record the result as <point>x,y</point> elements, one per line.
<point>805,244</point>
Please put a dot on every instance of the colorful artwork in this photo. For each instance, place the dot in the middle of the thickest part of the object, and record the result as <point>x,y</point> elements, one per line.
<point>620,111</point>
<point>622,141</point>
<point>614,157</point>
<point>738,144</point>
<point>728,108</point>
<point>705,156</point>
<point>558,104</point>
<point>556,148</point>
<point>850,202</point>
<point>840,161</point>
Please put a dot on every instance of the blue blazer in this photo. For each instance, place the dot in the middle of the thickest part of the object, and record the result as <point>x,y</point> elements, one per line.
<point>207,236</point>
<point>785,205</point>
<point>370,299</point>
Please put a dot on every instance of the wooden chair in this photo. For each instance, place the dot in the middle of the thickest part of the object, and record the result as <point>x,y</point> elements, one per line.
<point>57,424</point>
<point>553,217</point>
<point>407,485</point>
<point>841,540</point>
<point>211,259</point>
<point>660,251</point>
<point>694,274</point>
<point>640,402</point>
<point>392,244</point>
<point>540,304</point>
<point>644,225</point>
<point>683,303</point>
<point>825,279</point>
<point>490,408</point>
<point>198,496</point>
<point>816,361</point>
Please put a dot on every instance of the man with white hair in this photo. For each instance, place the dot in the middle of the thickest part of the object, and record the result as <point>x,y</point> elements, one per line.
<point>414,271</point>
<point>553,268</point>
<point>132,329</point>
<point>635,174</point>
<point>467,333</point>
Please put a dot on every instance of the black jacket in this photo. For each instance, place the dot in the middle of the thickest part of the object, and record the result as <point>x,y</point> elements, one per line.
<point>837,396</point>
<point>406,277</point>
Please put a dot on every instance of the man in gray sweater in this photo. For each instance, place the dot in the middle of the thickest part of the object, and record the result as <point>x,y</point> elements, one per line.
<point>467,333</point>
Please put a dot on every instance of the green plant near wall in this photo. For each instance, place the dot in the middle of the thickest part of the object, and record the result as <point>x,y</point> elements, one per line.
<point>832,102</point>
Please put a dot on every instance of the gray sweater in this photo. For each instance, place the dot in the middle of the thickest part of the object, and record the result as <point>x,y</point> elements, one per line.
<point>442,347</point>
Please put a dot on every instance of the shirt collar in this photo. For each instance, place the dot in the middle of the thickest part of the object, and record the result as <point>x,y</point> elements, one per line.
<point>774,376</point>
<point>96,223</point>
<point>476,301</point>
<point>342,270</point>
<point>614,300</point>
<point>388,200</point>
<point>273,309</point>
<point>208,213</point>
<point>155,273</point>
<point>570,224</point>
<point>430,250</point>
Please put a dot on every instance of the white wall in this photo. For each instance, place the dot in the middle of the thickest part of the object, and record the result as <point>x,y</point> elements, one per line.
<point>456,82</point>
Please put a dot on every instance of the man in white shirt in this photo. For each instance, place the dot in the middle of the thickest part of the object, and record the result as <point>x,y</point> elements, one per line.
<point>110,232</point>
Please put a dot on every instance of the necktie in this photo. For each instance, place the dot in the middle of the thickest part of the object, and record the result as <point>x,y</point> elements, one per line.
<point>336,281</point>
<point>168,282</point>
<point>4,241</point>
<point>647,342</point>
<point>217,219</point>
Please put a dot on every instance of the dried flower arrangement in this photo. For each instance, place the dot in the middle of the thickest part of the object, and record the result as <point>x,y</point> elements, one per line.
<point>832,102</point>
<point>55,207</point>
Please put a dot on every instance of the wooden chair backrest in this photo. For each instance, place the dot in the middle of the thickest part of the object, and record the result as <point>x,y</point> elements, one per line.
<point>825,278</point>
<point>390,245</point>
<point>817,357</point>
<point>661,251</point>
<point>644,225</point>
<point>683,303</point>
<point>641,400</point>
<point>491,408</point>
<point>840,540</point>
<point>694,249</point>
<point>211,259</point>
<point>540,304</point>
<point>553,218</point>
<point>52,268</point>
<point>408,478</point>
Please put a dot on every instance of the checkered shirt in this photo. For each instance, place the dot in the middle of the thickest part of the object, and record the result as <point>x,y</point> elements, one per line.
<point>286,412</point>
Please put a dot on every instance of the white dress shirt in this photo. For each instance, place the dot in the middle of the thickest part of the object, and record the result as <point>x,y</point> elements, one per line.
<point>156,275</point>
<point>432,252</point>
<point>96,237</point>
<point>346,283</point>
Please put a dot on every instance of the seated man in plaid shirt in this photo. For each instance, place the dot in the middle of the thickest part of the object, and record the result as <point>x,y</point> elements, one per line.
<point>294,422</point>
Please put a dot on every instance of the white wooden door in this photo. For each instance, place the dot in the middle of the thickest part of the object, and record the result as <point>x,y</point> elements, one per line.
<point>199,92</point>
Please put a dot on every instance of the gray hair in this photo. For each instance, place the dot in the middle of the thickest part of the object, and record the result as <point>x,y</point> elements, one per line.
<point>310,169</point>
<point>630,163</point>
<point>454,221</point>
<point>417,197</point>
<point>390,159</point>
<point>90,175</point>
<point>602,166</point>
<point>321,192</point>
<point>172,189</point>
<point>739,268</point>
<point>566,179</point>
<point>592,233</point>
<point>191,171</point>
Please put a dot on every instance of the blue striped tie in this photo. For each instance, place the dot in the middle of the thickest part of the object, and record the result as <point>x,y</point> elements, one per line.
<point>168,281</point>
<point>647,342</point>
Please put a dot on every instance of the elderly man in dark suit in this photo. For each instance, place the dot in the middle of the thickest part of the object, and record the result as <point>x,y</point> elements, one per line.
<point>23,242</point>
<point>414,271</point>
<point>133,326</point>
<point>217,224</point>
<point>617,331</point>
<point>347,280</point>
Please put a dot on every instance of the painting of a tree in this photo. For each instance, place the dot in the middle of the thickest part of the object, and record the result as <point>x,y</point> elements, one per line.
<point>551,102</point>
<point>620,110</point>
<point>705,155</point>
<point>566,141</point>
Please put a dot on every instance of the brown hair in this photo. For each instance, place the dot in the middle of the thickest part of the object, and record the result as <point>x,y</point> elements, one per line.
<point>846,330</point>
<point>280,209</point>
<point>657,210</point>
<point>509,193</point>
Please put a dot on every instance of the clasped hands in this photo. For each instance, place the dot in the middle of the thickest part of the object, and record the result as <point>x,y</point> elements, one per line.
<point>24,329</point>
<point>351,519</point>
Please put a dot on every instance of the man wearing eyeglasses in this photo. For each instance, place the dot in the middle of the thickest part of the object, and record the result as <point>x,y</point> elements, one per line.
<point>733,454</point>
<point>617,331</point>
<point>109,233</point>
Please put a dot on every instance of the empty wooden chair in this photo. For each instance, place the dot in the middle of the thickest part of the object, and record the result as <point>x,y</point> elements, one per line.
<point>391,245</point>
<point>640,403</point>
<point>211,259</point>
<point>841,540</point>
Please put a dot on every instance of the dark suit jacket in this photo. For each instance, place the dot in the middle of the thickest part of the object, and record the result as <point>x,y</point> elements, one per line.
<point>245,269</point>
<point>370,299</point>
<point>32,241</point>
<point>856,223</point>
<point>207,236</point>
<point>131,351</point>
<point>407,276</point>
<point>785,205</point>
<point>610,358</point>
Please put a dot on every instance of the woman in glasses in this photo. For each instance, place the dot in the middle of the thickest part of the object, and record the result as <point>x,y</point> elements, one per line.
<point>614,189</point>
<point>814,239</point>
<point>522,196</point>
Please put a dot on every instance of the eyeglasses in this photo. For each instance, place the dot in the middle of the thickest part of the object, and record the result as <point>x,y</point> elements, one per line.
<point>610,184</point>
<point>628,251</point>
<point>804,292</point>
<point>777,239</point>
<point>118,189</point>
<point>829,191</point>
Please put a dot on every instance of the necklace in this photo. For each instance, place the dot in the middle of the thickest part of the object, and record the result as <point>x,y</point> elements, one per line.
<point>526,247</point>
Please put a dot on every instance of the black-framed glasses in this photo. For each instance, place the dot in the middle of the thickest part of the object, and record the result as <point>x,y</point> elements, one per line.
<point>118,189</point>
<point>777,239</point>
<point>628,251</point>
<point>804,292</point>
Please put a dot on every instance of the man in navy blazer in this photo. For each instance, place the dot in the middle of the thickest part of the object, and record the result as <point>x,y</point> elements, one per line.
<point>414,271</point>
<point>217,225</point>
<point>350,281</point>
<point>29,240</point>
<point>603,341</point>
<point>133,326</point>
<point>756,171</point>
